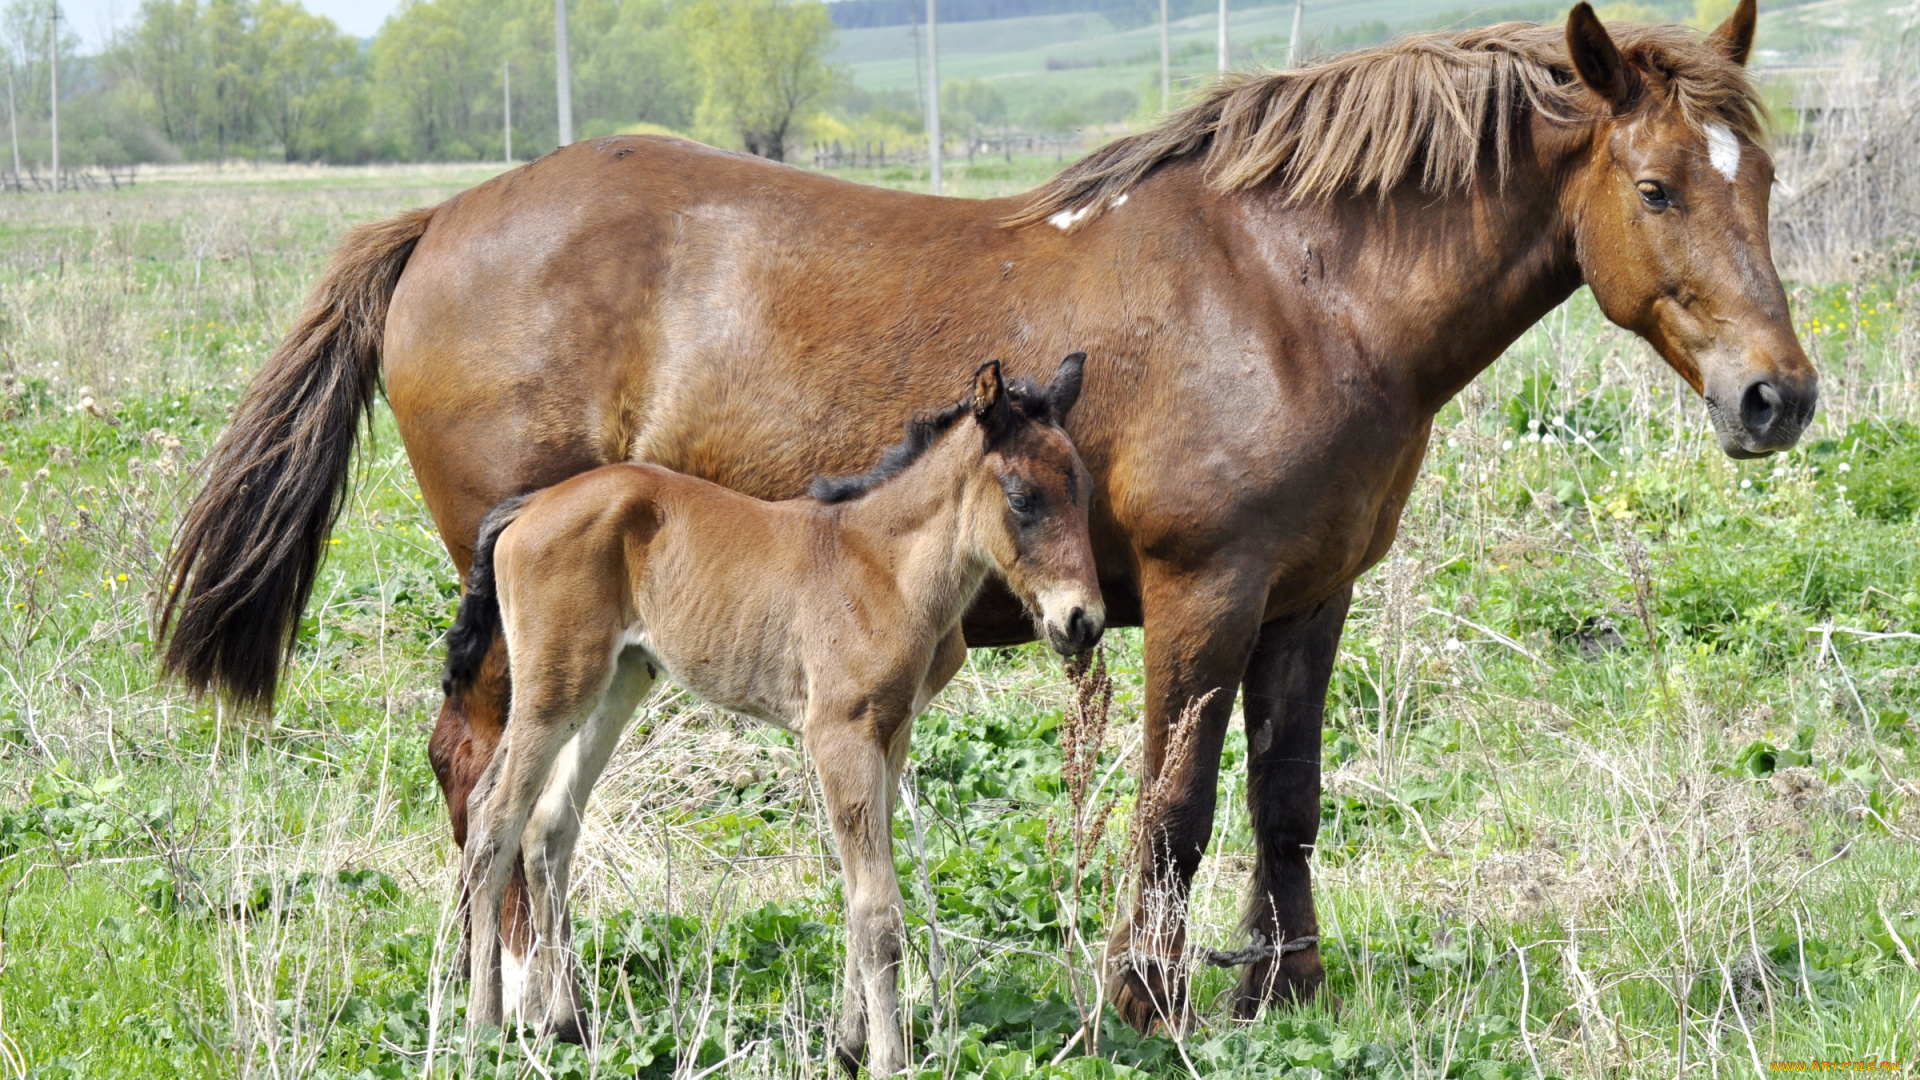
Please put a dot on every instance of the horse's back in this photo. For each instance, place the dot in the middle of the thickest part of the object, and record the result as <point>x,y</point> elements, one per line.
<point>651,299</point>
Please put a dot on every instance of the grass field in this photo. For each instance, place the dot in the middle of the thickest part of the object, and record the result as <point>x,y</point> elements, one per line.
<point>1622,753</point>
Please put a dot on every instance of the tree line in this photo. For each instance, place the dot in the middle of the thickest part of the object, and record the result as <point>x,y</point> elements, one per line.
<point>267,79</point>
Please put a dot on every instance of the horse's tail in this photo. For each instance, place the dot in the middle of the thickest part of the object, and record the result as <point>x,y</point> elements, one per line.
<point>248,551</point>
<point>478,622</point>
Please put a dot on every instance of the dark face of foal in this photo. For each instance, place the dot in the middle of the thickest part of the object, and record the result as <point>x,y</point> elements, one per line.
<point>1033,506</point>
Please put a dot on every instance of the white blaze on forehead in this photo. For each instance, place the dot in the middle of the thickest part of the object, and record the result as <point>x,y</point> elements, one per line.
<point>1723,150</point>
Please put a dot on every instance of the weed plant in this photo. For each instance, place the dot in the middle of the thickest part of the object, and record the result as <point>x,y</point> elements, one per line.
<point>1621,753</point>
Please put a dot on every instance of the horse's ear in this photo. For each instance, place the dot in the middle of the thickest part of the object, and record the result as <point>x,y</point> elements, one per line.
<point>1064,390</point>
<point>1596,58</point>
<point>990,405</point>
<point>1735,36</point>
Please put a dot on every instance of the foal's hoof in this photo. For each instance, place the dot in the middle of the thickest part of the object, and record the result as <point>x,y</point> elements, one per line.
<point>848,1057</point>
<point>569,1031</point>
<point>1151,996</point>
<point>1298,979</point>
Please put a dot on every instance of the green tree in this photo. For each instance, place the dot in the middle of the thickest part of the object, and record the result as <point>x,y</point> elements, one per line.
<point>763,66</point>
<point>423,80</point>
<point>236,59</point>
<point>165,52</point>
<point>637,71</point>
<point>312,101</point>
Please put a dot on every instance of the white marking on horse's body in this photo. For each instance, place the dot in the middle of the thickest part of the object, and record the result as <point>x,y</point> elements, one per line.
<point>1067,219</point>
<point>1723,150</point>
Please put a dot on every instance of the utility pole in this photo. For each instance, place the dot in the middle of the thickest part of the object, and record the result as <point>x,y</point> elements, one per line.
<point>933,95</point>
<point>1166,62</point>
<point>1293,43</point>
<point>1224,64</point>
<point>561,74</point>
<point>13,122</point>
<point>53,68</point>
<point>506,108</point>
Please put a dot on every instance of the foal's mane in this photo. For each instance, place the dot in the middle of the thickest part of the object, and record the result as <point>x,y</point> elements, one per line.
<point>923,430</point>
<point>1417,110</point>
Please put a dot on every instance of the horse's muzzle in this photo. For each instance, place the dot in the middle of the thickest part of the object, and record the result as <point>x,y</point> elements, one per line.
<point>1768,415</point>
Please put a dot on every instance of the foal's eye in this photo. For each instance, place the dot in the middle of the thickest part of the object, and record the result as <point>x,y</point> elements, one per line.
<point>1654,194</point>
<point>1020,501</point>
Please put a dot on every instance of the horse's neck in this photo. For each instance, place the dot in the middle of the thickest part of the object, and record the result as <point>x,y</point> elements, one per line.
<point>1442,284</point>
<point>915,525</point>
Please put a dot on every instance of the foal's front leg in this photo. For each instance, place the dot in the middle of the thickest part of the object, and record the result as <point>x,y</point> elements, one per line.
<point>552,999</point>
<point>850,752</point>
<point>498,810</point>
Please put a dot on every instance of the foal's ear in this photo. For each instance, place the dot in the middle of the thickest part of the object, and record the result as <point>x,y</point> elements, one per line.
<point>1735,36</point>
<point>1064,390</point>
<point>990,405</point>
<point>1596,58</point>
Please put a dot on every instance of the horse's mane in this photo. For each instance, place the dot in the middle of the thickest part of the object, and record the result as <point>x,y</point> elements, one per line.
<point>1417,110</point>
<point>922,432</point>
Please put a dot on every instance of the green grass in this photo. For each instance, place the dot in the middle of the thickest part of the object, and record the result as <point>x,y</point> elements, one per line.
<point>1559,838</point>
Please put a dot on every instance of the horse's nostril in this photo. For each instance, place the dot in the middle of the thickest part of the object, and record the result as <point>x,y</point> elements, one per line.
<point>1077,623</point>
<point>1760,406</point>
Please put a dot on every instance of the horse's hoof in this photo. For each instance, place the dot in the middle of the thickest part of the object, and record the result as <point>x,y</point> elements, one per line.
<point>848,1056</point>
<point>1141,994</point>
<point>1301,980</point>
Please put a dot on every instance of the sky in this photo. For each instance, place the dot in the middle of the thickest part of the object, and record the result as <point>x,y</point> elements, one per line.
<point>95,20</point>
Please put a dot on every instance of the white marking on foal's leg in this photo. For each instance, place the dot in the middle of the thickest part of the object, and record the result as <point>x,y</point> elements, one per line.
<point>513,981</point>
<point>1723,150</point>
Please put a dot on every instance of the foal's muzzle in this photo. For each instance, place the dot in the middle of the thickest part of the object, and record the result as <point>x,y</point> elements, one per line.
<point>1078,632</point>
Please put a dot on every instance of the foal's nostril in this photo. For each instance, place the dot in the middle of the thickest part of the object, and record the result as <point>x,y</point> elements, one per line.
<point>1760,407</point>
<point>1077,625</point>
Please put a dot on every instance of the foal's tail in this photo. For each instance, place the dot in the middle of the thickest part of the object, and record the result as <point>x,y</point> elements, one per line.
<point>246,555</point>
<point>478,622</point>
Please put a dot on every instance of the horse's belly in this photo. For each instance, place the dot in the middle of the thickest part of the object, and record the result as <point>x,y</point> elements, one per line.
<point>726,679</point>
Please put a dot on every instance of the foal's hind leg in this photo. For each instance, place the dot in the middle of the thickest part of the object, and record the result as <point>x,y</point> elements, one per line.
<point>552,1002</point>
<point>854,773</point>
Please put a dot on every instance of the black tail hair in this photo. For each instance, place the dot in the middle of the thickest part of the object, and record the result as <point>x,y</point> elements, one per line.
<point>478,622</point>
<point>249,549</point>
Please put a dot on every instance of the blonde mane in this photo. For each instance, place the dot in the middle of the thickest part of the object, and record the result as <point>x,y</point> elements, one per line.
<point>1418,110</point>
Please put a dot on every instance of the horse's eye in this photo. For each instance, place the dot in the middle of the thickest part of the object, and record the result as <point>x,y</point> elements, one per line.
<point>1654,194</point>
<point>1020,501</point>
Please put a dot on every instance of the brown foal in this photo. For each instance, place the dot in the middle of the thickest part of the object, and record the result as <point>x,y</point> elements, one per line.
<point>835,616</point>
<point>1280,287</point>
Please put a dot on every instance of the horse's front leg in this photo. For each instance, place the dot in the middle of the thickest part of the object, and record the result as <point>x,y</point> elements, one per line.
<point>851,752</point>
<point>462,745</point>
<point>1200,628</point>
<point>1286,697</point>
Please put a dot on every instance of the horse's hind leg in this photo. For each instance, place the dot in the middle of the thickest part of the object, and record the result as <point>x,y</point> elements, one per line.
<point>854,774</point>
<point>552,1002</point>
<point>544,719</point>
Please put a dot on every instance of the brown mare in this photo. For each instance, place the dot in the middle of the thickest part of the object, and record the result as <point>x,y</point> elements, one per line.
<point>1278,286</point>
<point>836,617</point>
